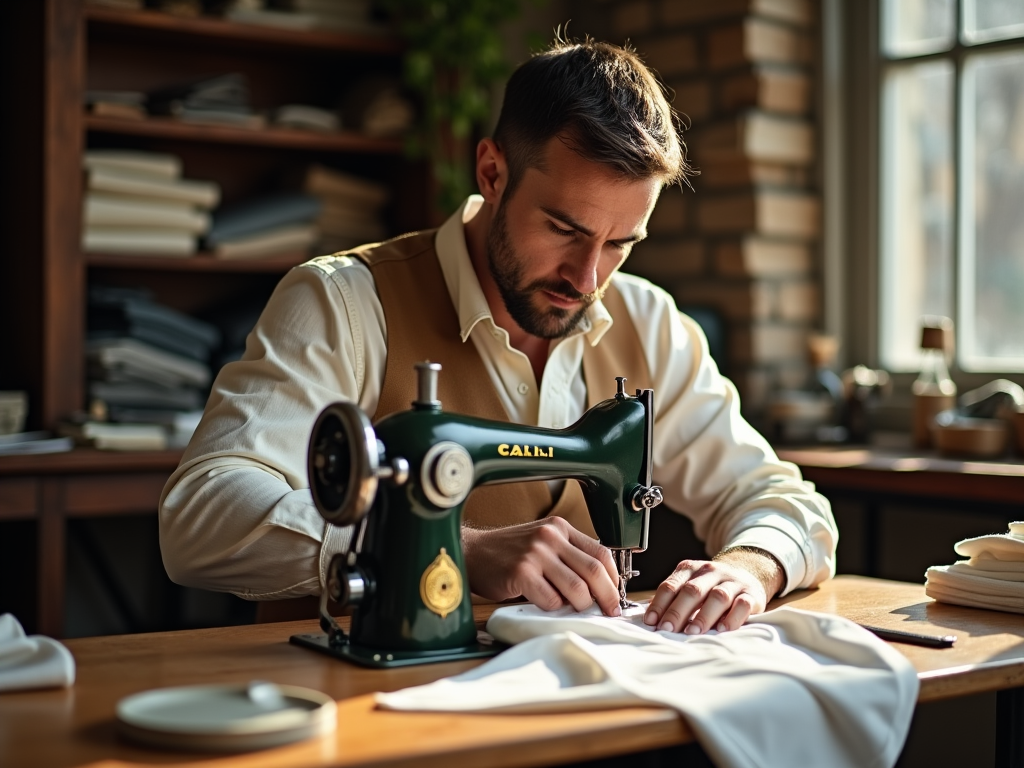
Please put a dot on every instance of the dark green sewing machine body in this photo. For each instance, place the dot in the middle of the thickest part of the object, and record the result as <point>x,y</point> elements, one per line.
<point>406,575</point>
<point>591,451</point>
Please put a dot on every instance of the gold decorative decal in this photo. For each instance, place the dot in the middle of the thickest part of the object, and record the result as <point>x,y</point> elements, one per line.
<point>530,451</point>
<point>441,585</point>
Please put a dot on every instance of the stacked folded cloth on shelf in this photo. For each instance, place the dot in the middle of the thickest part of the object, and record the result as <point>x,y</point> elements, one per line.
<point>220,100</point>
<point>992,578</point>
<point>28,662</point>
<point>790,688</point>
<point>350,16</point>
<point>377,105</point>
<point>137,203</point>
<point>351,208</point>
<point>148,369</point>
<point>270,225</point>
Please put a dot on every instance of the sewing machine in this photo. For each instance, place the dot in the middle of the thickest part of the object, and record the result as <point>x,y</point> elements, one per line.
<point>402,483</point>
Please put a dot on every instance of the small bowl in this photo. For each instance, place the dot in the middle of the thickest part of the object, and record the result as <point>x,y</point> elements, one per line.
<point>794,405</point>
<point>963,436</point>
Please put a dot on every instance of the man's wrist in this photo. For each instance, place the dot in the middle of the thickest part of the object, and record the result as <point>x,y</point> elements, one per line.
<point>763,565</point>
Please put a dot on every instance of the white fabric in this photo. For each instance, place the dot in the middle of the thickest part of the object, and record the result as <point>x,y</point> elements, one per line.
<point>792,689</point>
<point>1003,570</point>
<point>237,515</point>
<point>32,662</point>
<point>996,587</point>
<point>997,546</point>
<point>992,578</point>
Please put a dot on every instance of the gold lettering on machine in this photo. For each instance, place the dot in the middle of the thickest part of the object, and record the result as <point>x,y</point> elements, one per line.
<point>532,451</point>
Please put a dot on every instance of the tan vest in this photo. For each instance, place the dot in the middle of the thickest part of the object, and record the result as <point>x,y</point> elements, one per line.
<point>422,324</point>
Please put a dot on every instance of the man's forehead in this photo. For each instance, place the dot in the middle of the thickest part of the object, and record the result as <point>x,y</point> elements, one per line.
<point>590,201</point>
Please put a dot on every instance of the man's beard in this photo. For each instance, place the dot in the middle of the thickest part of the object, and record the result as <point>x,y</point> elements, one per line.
<point>507,270</point>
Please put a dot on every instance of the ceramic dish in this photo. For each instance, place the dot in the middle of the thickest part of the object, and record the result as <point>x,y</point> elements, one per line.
<point>226,718</point>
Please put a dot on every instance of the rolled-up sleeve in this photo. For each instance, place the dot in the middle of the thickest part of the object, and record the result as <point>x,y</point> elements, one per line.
<point>714,467</point>
<point>237,515</point>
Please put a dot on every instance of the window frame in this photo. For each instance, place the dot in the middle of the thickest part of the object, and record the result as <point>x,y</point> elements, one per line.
<point>854,63</point>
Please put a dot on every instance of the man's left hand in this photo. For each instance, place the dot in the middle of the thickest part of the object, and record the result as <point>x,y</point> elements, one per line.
<point>717,594</point>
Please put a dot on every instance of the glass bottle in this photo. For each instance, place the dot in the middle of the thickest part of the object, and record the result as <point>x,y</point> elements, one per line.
<point>934,391</point>
<point>826,384</point>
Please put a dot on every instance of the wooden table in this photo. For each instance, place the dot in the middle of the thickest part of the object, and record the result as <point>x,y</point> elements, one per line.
<point>54,488</point>
<point>75,727</point>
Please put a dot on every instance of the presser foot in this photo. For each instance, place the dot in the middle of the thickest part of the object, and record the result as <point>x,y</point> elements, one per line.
<point>625,602</point>
<point>382,659</point>
<point>624,564</point>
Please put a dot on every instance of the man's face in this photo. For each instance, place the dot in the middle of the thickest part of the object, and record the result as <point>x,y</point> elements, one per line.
<point>554,245</point>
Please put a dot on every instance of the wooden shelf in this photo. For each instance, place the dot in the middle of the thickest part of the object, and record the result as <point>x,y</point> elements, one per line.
<point>220,31</point>
<point>201,262</point>
<point>289,138</point>
<point>89,460</point>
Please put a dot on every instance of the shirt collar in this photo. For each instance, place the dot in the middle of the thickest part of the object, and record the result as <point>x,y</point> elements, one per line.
<point>464,287</point>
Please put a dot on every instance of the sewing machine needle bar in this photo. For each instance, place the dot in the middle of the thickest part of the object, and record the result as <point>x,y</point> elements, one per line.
<point>626,572</point>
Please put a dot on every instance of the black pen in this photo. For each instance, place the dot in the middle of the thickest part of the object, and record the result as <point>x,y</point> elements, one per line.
<point>913,638</point>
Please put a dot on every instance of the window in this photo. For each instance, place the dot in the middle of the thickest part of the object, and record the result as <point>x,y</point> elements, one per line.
<point>951,178</point>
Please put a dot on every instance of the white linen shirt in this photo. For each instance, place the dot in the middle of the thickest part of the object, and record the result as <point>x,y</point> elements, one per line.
<point>237,515</point>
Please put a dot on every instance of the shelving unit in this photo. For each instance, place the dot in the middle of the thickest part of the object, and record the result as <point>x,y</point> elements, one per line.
<point>87,47</point>
<point>51,52</point>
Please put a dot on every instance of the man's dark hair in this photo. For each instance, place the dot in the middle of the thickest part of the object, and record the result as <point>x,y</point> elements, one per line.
<point>600,99</point>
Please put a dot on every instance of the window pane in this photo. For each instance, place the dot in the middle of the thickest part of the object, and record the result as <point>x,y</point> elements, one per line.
<point>912,27</point>
<point>917,207</point>
<point>992,274</point>
<point>993,19</point>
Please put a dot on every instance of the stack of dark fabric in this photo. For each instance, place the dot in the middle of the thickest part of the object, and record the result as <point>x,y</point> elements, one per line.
<point>221,100</point>
<point>270,225</point>
<point>147,363</point>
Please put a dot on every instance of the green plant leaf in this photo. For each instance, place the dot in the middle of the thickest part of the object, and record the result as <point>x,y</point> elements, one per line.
<point>453,59</point>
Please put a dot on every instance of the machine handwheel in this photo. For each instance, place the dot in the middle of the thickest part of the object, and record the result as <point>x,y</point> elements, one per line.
<point>343,464</point>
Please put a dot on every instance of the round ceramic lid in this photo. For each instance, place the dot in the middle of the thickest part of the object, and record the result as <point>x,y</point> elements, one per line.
<point>226,717</point>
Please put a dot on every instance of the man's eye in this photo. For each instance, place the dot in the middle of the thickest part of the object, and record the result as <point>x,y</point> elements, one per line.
<point>561,232</point>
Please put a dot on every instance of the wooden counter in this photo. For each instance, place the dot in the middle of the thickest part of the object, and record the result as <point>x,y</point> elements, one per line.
<point>75,727</point>
<point>920,474</point>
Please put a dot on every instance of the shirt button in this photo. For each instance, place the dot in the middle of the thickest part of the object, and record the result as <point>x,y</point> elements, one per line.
<point>523,388</point>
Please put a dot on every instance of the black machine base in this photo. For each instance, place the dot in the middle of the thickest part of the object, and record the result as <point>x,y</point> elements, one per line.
<point>380,659</point>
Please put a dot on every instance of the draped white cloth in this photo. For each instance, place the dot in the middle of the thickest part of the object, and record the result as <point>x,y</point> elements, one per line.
<point>792,688</point>
<point>35,661</point>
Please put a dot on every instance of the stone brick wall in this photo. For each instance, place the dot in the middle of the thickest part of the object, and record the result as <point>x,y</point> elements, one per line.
<point>744,240</point>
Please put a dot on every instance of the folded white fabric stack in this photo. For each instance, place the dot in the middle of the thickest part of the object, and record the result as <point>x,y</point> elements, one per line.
<point>794,688</point>
<point>992,578</point>
<point>32,662</point>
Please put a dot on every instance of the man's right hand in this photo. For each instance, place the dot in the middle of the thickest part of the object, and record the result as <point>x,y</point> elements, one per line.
<point>548,562</point>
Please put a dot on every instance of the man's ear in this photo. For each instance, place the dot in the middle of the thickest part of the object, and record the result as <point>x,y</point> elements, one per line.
<point>491,171</point>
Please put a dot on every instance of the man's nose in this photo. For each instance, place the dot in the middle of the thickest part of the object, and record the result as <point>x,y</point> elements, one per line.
<point>582,270</point>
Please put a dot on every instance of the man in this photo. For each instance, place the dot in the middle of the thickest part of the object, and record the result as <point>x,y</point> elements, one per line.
<point>528,297</point>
